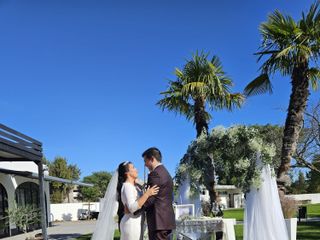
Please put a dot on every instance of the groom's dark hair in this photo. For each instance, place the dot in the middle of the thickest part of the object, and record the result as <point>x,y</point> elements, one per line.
<point>152,152</point>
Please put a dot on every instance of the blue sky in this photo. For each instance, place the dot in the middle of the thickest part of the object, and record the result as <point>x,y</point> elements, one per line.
<point>83,77</point>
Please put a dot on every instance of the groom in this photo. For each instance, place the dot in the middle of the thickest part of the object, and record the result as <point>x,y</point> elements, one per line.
<point>159,209</point>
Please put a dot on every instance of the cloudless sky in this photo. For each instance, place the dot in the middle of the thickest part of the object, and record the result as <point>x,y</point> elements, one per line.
<point>83,77</point>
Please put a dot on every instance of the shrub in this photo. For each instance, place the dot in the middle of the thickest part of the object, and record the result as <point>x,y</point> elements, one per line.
<point>289,206</point>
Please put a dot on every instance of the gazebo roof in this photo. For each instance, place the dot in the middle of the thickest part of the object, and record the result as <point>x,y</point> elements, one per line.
<point>15,146</point>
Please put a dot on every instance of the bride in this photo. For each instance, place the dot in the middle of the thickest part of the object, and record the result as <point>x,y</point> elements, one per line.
<point>123,192</point>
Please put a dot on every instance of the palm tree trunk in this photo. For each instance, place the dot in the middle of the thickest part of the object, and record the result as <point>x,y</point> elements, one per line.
<point>209,180</point>
<point>200,116</point>
<point>210,185</point>
<point>297,105</point>
<point>202,127</point>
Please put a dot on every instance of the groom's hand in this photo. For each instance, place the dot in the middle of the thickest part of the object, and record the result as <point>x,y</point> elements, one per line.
<point>153,179</point>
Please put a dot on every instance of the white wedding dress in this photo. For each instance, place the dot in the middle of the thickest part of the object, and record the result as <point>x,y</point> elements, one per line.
<point>131,226</point>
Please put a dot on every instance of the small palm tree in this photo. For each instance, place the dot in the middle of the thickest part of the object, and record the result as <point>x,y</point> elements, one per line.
<point>292,48</point>
<point>201,82</point>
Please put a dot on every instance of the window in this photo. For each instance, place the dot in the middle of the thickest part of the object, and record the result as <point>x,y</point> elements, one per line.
<point>28,194</point>
<point>4,230</point>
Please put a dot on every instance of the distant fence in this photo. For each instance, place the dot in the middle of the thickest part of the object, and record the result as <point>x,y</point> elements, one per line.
<point>307,198</point>
<point>70,211</point>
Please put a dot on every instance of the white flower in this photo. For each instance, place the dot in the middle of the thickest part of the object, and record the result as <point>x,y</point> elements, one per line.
<point>243,163</point>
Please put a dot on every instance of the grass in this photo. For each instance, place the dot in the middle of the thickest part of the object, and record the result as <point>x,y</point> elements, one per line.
<point>306,231</point>
<point>234,213</point>
<point>84,237</point>
<point>313,210</point>
<point>239,231</point>
<point>88,236</point>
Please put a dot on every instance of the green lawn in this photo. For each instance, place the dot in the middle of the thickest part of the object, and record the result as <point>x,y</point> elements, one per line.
<point>239,231</point>
<point>313,210</point>
<point>234,213</point>
<point>88,236</point>
<point>306,231</point>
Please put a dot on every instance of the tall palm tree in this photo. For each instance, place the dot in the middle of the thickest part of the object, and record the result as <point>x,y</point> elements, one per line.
<point>292,48</point>
<point>199,84</point>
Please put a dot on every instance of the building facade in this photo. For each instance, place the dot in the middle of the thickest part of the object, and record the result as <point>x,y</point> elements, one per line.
<point>19,190</point>
<point>229,195</point>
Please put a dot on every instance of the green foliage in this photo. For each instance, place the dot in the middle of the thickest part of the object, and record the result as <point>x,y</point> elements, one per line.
<point>23,216</point>
<point>287,44</point>
<point>200,83</point>
<point>271,134</point>
<point>59,167</point>
<point>100,180</point>
<point>291,48</point>
<point>299,186</point>
<point>314,177</point>
<point>233,153</point>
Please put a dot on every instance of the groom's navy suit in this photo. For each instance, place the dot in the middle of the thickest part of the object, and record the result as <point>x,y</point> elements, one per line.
<point>159,209</point>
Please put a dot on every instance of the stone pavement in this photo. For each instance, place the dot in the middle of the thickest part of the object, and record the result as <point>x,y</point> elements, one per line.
<point>62,230</point>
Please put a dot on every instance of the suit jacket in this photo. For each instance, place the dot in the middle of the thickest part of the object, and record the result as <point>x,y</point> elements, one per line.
<point>159,209</point>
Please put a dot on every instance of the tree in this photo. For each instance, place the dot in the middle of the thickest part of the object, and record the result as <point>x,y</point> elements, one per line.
<point>100,180</point>
<point>314,177</point>
<point>201,83</point>
<point>60,168</point>
<point>292,48</point>
<point>233,152</point>
<point>271,134</point>
<point>309,142</point>
<point>23,216</point>
<point>300,186</point>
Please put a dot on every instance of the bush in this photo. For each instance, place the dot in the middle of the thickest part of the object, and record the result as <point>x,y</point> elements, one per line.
<point>23,216</point>
<point>289,206</point>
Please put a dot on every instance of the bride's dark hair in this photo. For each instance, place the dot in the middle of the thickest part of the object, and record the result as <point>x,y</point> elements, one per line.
<point>122,177</point>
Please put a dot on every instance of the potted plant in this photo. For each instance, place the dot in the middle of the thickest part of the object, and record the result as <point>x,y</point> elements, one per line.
<point>23,217</point>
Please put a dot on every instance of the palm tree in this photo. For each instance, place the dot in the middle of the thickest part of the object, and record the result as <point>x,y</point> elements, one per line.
<point>292,48</point>
<point>201,82</point>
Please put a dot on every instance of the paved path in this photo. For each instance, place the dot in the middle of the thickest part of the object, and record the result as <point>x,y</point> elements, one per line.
<point>62,230</point>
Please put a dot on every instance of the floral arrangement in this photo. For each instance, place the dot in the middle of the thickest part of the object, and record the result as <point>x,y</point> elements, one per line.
<point>230,153</point>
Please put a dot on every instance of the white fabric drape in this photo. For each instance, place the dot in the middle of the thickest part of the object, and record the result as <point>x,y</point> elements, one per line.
<point>106,223</point>
<point>263,219</point>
